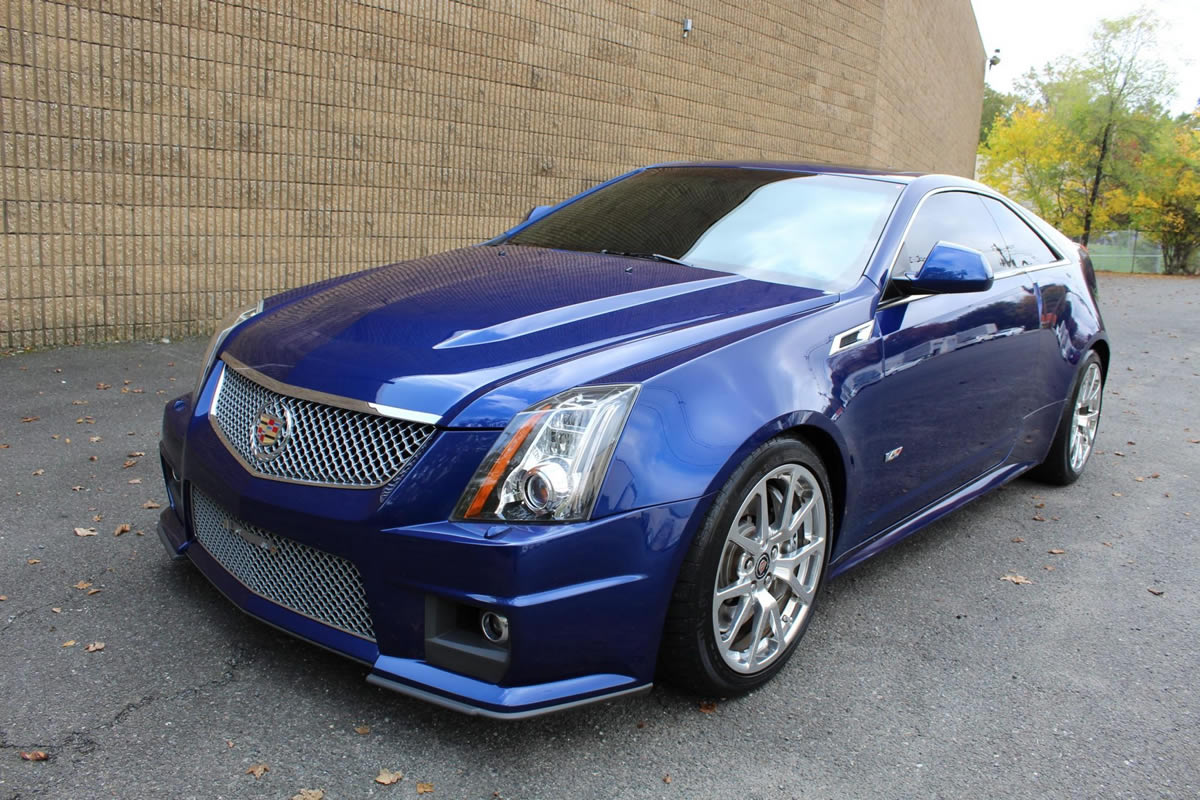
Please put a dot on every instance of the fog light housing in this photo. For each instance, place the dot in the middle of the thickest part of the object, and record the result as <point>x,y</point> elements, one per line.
<point>494,627</point>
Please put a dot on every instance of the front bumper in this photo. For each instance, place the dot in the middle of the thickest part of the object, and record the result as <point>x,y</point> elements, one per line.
<point>585,602</point>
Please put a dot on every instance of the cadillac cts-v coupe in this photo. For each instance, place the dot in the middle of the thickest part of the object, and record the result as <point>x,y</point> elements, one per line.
<point>633,435</point>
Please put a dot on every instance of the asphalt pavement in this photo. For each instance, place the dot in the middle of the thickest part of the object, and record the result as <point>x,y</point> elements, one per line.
<point>924,673</point>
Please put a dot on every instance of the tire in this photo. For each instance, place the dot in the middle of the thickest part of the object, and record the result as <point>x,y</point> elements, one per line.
<point>1076,433</point>
<point>735,616</point>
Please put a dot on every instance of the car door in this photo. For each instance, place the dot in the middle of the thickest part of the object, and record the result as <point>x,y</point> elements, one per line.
<point>958,370</point>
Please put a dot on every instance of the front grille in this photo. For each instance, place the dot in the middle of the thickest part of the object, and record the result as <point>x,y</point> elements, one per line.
<point>327,444</point>
<point>306,580</point>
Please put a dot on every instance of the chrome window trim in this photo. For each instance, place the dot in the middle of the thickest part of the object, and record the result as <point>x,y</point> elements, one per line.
<point>1061,262</point>
<point>325,398</point>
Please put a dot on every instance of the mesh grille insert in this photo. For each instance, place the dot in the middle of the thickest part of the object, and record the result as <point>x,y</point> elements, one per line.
<point>328,445</point>
<point>319,585</point>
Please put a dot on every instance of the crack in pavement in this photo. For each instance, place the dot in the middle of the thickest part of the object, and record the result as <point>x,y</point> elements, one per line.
<point>81,743</point>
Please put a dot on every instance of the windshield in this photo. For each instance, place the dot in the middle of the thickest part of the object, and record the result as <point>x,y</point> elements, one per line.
<point>784,227</point>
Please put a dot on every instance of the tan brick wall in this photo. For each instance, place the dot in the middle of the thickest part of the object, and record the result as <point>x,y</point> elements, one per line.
<point>166,160</point>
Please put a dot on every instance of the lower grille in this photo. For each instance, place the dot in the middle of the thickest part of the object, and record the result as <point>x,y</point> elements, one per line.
<point>306,580</point>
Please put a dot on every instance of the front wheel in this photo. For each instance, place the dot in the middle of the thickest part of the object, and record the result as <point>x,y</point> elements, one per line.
<point>1077,428</point>
<point>747,587</point>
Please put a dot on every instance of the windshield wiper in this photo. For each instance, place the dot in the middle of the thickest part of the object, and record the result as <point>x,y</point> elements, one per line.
<point>647,256</point>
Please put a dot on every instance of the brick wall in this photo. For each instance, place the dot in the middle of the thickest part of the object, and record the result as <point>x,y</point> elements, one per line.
<point>165,161</point>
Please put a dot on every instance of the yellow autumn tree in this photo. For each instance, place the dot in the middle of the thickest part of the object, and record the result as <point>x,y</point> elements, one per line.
<point>1042,164</point>
<point>1167,203</point>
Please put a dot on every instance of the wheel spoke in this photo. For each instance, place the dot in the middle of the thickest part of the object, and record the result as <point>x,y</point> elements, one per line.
<point>756,635</point>
<point>724,642</point>
<point>763,523</point>
<point>741,587</point>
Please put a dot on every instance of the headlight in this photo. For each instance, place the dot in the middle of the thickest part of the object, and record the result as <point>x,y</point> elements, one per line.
<point>227,325</point>
<point>548,463</point>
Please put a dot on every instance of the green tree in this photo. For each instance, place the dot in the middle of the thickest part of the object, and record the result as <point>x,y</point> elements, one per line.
<point>1100,112</point>
<point>996,105</point>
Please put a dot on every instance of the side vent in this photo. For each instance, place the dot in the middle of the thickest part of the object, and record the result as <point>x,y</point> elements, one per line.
<point>852,337</point>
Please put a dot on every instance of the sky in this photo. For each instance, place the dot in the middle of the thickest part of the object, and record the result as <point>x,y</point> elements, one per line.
<point>1031,33</point>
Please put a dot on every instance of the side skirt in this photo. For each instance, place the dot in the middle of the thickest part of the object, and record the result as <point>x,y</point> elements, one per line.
<point>951,502</point>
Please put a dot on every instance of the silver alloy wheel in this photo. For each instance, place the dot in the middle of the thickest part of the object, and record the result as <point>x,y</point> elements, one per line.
<point>770,568</point>
<point>1086,418</point>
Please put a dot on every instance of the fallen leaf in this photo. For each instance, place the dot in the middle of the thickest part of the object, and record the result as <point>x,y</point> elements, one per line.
<point>1117,494</point>
<point>4,446</point>
<point>97,517</point>
<point>257,770</point>
<point>1017,540</point>
<point>126,383</point>
<point>151,504</point>
<point>35,755</point>
<point>1019,580</point>
<point>135,454</point>
<point>424,788</point>
<point>1156,592</point>
<point>82,585</point>
<point>135,481</point>
<point>229,743</point>
<point>128,464</point>
<point>1155,475</point>
<point>93,458</point>
<point>1107,544</point>
<point>94,591</point>
<point>362,730</point>
<point>387,777</point>
<point>39,472</point>
<point>95,647</point>
<point>56,610</point>
<point>1131,442</point>
<point>1190,441</point>
<point>309,794</point>
<point>3,597</point>
<point>1048,568</point>
<point>666,778</point>
<point>68,643</point>
<point>1040,505</point>
<point>33,561</point>
<point>1140,479</point>
<point>30,419</point>
<point>124,527</point>
<point>103,386</point>
<point>76,488</point>
<point>79,402</point>
<point>1054,551</point>
<point>708,707</point>
<point>1038,518</point>
<point>85,531</point>
<point>1118,453</point>
<point>94,439</point>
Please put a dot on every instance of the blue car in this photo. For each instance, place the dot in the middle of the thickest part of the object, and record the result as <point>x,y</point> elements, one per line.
<point>632,436</point>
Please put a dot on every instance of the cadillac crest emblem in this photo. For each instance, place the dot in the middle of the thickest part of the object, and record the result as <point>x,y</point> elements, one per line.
<point>272,427</point>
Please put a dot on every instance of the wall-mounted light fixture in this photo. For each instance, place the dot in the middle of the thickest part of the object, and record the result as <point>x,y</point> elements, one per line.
<point>687,27</point>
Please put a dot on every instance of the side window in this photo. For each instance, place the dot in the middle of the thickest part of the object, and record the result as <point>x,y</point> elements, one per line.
<point>1025,248</point>
<point>958,217</point>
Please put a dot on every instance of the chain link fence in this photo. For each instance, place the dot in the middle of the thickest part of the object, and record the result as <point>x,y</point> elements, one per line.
<point>1126,251</point>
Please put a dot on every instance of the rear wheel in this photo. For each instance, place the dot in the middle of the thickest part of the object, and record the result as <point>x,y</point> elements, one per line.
<point>1077,428</point>
<point>746,590</point>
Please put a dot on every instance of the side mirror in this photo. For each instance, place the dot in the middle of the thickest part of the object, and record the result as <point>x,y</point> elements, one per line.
<point>535,212</point>
<point>949,269</point>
